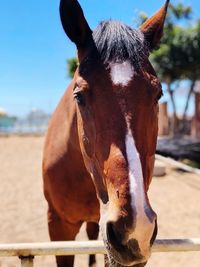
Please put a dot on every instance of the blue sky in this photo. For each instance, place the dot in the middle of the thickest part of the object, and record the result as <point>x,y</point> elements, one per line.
<point>34,48</point>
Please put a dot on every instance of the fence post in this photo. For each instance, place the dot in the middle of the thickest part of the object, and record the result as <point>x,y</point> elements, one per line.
<point>26,261</point>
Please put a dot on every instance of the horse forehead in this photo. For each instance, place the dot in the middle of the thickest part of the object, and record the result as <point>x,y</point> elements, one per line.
<point>121,73</point>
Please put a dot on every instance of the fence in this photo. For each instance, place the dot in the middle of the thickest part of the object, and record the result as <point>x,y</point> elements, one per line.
<point>27,252</point>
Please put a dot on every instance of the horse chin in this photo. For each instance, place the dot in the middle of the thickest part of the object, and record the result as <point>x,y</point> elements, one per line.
<point>114,263</point>
<point>114,259</point>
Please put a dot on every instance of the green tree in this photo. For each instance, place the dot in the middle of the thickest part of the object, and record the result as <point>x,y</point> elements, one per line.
<point>72,64</point>
<point>178,57</point>
<point>188,45</point>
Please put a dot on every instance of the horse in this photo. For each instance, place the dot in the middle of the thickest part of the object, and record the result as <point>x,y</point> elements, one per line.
<point>100,146</point>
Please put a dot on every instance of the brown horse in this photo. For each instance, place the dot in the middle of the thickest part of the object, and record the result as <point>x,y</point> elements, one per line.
<point>101,141</point>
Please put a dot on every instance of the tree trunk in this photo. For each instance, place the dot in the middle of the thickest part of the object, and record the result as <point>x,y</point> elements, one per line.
<point>184,121</point>
<point>191,91</point>
<point>174,126</point>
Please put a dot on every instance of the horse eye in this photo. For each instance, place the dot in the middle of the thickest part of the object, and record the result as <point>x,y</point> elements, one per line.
<point>79,98</point>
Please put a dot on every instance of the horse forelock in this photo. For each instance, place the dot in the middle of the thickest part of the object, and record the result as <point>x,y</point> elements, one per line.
<point>117,43</point>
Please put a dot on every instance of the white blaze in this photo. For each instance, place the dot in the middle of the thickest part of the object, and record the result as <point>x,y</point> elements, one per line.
<point>135,174</point>
<point>121,73</point>
<point>143,227</point>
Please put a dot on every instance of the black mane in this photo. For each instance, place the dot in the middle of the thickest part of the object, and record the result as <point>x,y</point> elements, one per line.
<point>117,42</point>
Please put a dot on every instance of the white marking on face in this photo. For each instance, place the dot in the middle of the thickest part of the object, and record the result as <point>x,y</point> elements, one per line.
<point>143,226</point>
<point>121,73</point>
<point>135,173</point>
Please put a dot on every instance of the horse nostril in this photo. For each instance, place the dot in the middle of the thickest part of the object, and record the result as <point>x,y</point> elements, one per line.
<point>113,236</point>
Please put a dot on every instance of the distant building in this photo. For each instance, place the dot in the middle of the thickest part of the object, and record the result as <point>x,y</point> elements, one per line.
<point>36,122</point>
<point>6,121</point>
<point>38,117</point>
<point>2,112</point>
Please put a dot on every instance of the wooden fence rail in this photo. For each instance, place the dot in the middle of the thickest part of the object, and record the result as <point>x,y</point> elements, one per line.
<point>27,251</point>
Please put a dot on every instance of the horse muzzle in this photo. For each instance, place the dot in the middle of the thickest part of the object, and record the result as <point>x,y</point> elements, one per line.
<point>123,251</point>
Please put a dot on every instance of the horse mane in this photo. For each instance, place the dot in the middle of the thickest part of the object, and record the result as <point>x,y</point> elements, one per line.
<point>117,42</point>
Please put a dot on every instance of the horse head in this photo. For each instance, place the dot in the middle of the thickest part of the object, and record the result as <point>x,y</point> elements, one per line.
<point>116,91</point>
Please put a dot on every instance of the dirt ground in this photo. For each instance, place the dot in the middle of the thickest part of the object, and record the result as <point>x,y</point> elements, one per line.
<point>175,197</point>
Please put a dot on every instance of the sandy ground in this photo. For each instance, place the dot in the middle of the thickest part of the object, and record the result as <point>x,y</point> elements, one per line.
<point>175,197</point>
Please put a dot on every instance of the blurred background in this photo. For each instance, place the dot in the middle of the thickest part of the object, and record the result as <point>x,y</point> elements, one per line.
<point>37,62</point>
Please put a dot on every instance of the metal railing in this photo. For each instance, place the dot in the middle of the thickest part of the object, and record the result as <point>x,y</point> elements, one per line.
<point>27,251</point>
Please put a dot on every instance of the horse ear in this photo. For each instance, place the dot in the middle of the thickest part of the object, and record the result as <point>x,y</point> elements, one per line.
<point>74,22</point>
<point>152,28</point>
